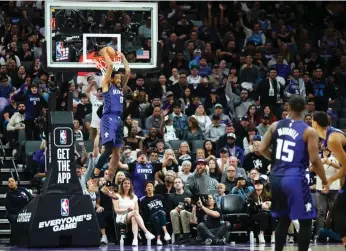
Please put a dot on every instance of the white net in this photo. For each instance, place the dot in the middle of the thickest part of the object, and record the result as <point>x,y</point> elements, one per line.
<point>102,66</point>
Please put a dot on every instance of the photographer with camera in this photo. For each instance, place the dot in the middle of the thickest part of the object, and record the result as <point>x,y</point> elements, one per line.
<point>208,219</point>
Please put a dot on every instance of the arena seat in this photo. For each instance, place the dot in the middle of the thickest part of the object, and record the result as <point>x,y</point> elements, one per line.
<point>233,211</point>
<point>343,103</point>
<point>212,191</point>
<point>175,144</point>
<point>343,113</point>
<point>29,148</point>
<point>89,147</point>
<point>342,123</point>
<point>196,144</point>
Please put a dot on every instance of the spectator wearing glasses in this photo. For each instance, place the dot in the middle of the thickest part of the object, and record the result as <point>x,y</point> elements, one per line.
<point>231,180</point>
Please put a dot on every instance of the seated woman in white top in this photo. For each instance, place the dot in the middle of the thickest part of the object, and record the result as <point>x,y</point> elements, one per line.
<point>127,210</point>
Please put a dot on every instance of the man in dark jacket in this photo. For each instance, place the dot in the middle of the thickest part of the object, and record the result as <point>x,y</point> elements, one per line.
<point>16,199</point>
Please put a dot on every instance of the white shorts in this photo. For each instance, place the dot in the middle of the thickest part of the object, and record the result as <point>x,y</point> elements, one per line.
<point>121,218</point>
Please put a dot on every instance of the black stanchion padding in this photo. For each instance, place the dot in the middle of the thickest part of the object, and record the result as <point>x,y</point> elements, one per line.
<point>62,216</point>
<point>69,103</point>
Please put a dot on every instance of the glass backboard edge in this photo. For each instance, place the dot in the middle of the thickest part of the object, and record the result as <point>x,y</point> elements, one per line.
<point>105,5</point>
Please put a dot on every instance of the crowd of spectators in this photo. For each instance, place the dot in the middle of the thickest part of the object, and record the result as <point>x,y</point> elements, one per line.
<point>194,129</point>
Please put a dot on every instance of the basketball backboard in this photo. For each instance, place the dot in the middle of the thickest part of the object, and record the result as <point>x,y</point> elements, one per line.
<point>76,29</point>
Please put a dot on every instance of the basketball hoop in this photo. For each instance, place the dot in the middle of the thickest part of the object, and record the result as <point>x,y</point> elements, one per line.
<point>101,63</point>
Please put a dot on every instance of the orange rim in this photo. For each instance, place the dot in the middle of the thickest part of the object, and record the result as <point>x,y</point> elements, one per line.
<point>98,58</point>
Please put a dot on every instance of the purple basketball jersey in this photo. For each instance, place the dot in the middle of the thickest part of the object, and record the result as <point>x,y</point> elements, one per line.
<point>290,154</point>
<point>113,100</point>
<point>141,175</point>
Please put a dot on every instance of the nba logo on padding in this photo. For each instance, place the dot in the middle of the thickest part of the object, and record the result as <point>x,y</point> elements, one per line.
<point>63,137</point>
<point>61,52</point>
<point>65,207</point>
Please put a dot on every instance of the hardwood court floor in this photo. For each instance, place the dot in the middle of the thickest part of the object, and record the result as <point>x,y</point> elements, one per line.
<point>229,247</point>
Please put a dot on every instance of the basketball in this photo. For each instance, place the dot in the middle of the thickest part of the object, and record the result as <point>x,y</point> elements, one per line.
<point>111,52</point>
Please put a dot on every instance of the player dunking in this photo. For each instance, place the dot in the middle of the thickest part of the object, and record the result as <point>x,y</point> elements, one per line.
<point>294,142</point>
<point>335,141</point>
<point>111,123</point>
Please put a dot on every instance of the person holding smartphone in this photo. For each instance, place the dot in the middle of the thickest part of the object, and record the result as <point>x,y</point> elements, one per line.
<point>208,219</point>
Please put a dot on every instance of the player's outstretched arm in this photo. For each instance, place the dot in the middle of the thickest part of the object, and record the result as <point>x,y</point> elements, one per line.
<point>336,147</point>
<point>109,69</point>
<point>127,71</point>
<point>267,141</point>
<point>311,138</point>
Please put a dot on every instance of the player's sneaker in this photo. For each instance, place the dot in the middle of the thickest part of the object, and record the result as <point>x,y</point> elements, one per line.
<point>159,243</point>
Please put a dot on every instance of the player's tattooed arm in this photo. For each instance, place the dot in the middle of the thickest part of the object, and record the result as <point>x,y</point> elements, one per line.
<point>335,145</point>
<point>127,72</point>
<point>109,69</point>
<point>311,138</point>
<point>267,141</point>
